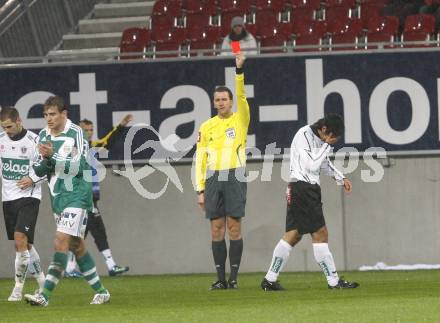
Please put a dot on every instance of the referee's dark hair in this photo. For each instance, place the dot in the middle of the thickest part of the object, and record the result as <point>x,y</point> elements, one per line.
<point>55,101</point>
<point>333,122</point>
<point>9,113</point>
<point>224,89</point>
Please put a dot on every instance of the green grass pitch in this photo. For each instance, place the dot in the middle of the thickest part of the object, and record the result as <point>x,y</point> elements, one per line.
<point>412,296</point>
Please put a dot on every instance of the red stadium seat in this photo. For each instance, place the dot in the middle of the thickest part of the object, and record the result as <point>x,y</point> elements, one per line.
<point>418,28</point>
<point>162,22</point>
<point>369,10</point>
<point>241,6</point>
<point>207,46</point>
<point>266,21</point>
<point>170,8</point>
<point>277,40</point>
<point>174,34</point>
<point>382,29</point>
<point>310,33</point>
<point>134,40</point>
<point>310,4</point>
<point>286,29</point>
<point>171,46</point>
<point>302,13</point>
<point>336,13</point>
<point>251,28</point>
<point>197,20</point>
<point>209,33</point>
<point>266,31</point>
<point>338,9</point>
<point>340,3</point>
<point>275,5</point>
<point>345,32</point>
<point>374,2</point>
<point>209,7</point>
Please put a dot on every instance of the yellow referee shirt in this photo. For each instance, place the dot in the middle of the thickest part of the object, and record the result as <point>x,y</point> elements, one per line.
<point>222,142</point>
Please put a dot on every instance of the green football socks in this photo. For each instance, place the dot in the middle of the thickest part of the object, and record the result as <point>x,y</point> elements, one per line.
<point>87,267</point>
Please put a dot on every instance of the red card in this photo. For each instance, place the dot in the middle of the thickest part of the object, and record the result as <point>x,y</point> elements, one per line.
<point>235,45</point>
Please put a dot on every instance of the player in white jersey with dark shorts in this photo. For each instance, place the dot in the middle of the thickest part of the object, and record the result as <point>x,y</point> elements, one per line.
<point>308,157</point>
<point>21,195</point>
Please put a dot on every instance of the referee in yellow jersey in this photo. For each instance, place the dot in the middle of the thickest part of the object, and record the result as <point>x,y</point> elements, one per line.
<point>220,175</point>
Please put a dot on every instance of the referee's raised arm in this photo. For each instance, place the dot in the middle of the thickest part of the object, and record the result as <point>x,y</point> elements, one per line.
<point>242,104</point>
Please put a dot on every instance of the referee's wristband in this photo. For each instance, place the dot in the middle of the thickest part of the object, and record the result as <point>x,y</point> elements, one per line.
<point>239,70</point>
<point>200,192</point>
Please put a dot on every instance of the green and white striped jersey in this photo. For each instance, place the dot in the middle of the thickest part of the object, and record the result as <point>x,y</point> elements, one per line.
<point>68,173</point>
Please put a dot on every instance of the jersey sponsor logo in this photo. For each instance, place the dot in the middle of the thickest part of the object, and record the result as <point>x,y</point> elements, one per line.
<point>68,215</point>
<point>14,169</point>
<point>67,223</point>
<point>230,133</point>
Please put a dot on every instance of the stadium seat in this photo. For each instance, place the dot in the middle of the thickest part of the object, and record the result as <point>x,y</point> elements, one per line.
<point>172,46</point>
<point>309,4</point>
<point>340,3</point>
<point>277,40</point>
<point>237,6</point>
<point>338,9</point>
<point>382,29</point>
<point>418,28</point>
<point>345,32</point>
<point>375,2</point>
<point>285,28</point>
<point>162,22</point>
<point>301,13</point>
<point>252,28</point>
<point>310,33</point>
<point>206,45</point>
<point>134,40</point>
<point>209,33</point>
<point>209,7</point>
<point>275,5</point>
<point>266,16</point>
<point>197,20</point>
<point>368,11</point>
<point>174,34</point>
<point>170,8</point>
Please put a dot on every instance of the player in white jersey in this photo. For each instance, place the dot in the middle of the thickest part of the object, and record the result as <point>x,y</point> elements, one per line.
<point>21,195</point>
<point>309,155</point>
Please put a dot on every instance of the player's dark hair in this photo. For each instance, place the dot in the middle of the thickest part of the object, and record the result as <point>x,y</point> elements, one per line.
<point>224,89</point>
<point>333,122</point>
<point>86,122</point>
<point>9,113</point>
<point>55,101</point>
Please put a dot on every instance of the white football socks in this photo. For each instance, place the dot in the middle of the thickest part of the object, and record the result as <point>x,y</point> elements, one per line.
<point>281,254</point>
<point>35,267</point>
<point>107,254</point>
<point>324,258</point>
<point>22,259</point>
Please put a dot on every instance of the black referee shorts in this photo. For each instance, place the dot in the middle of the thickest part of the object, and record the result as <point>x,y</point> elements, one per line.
<point>21,216</point>
<point>304,207</point>
<point>225,194</point>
